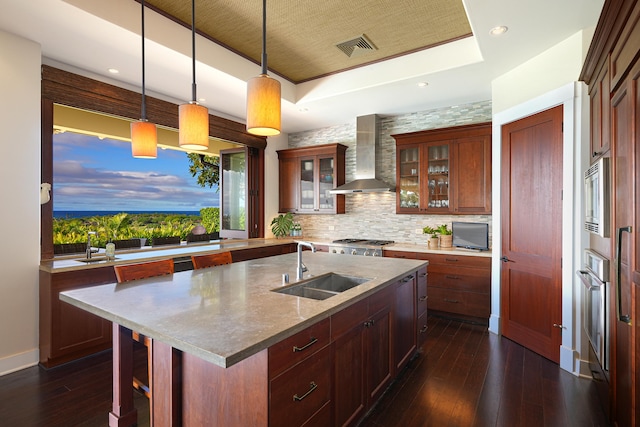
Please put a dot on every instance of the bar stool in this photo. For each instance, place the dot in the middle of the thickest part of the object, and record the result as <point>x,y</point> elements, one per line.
<point>126,273</point>
<point>211,260</point>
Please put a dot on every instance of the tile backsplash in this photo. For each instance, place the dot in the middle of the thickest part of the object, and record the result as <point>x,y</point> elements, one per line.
<point>373,215</point>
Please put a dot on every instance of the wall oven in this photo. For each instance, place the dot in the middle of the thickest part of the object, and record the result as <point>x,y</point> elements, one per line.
<point>596,185</point>
<point>596,294</point>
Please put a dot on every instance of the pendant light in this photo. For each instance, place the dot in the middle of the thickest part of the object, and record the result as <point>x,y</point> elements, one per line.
<point>193,118</point>
<point>144,135</point>
<point>263,94</point>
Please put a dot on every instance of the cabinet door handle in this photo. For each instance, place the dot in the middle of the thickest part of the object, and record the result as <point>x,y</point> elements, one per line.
<point>626,318</point>
<point>407,279</point>
<point>304,347</point>
<point>453,277</point>
<point>422,298</point>
<point>312,385</point>
<point>451,300</point>
<point>451,259</point>
<point>596,153</point>
<point>422,275</point>
<point>423,329</point>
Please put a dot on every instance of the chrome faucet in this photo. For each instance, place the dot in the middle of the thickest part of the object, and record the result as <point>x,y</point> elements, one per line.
<point>301,268</point>
<point>90,250</point>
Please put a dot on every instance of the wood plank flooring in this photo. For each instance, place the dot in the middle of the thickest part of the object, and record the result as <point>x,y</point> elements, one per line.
<point>464,376</point>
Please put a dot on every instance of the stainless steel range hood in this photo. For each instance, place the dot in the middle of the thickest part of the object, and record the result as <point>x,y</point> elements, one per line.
<point>366,143</point>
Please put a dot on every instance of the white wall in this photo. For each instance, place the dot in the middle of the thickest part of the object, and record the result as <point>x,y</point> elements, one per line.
<point>19,192</point>
<point>543,82</point>
<point>271,182</point>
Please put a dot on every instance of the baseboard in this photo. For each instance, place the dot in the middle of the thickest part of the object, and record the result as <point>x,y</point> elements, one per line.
<point>19,361</point>
<point>494,324</point>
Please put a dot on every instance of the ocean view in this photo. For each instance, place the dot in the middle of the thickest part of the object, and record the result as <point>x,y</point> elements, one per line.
<point>83,214</point>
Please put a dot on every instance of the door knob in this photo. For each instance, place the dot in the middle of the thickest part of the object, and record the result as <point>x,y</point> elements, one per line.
<point>505,259</point>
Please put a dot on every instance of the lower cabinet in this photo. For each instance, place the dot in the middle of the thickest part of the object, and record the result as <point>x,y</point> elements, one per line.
<point>421,302</point>
<point>67,332</point>
<point>262,252</point>
<point>404,329</point>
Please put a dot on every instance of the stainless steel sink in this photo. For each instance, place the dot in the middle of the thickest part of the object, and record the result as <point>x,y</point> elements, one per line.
<point>95,259</point>
<point>323,287</point>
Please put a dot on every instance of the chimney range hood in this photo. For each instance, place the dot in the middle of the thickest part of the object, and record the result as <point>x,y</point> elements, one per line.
<point>366,143</point>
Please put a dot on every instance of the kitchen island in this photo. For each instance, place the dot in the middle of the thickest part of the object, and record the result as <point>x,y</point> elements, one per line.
<point>218,334</point>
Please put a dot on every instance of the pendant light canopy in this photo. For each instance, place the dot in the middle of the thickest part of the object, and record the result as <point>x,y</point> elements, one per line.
<point>193,118</point>
<point>144,135</point>
<point>263,94</point>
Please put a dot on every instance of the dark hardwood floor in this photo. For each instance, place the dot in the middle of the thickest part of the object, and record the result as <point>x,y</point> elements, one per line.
<point>464,376</point>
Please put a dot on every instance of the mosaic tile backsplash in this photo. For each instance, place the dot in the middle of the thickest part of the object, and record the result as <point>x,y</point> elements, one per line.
<point>372,215</point>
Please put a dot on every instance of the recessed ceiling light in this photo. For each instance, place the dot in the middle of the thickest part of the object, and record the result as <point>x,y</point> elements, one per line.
<point>303,110</point>
<point>113,70</point>
<point>496,31</point>
<point>423,84</point>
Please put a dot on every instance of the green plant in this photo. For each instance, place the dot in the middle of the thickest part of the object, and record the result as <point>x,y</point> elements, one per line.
<point>430,230</point>
<point>281,225</point>
<point>443,230</point>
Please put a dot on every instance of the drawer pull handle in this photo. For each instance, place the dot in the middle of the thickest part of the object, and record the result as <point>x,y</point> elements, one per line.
<point>423,329</point>
<point>304,347</point>
<point>451,259</point>
<point>422,274</point>
<point>451,300</point>
<point>422,298</point>
<point>407,279</point>
<point>297,398</point>
<point>453,277</point>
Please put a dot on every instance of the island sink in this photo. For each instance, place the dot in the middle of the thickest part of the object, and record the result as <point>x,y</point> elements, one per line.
<point>95,259</point>
<point>323,287</point>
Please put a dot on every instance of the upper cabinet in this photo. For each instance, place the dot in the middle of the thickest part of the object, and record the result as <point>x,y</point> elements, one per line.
<point>444,171</point>
<point>599,98</point>
<point>306,177</point>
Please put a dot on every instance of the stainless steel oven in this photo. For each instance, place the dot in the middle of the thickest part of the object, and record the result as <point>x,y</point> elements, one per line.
<point>596,186</point>
<point>596,303</point>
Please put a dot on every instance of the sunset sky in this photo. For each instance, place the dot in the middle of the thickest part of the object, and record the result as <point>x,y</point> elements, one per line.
<point>90,174</point>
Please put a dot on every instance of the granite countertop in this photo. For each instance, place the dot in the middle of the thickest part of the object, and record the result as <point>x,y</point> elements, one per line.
<point>72,263</point>
<point>227,313</point>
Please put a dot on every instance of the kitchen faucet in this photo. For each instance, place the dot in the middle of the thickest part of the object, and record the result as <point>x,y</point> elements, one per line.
<point>301,268</point>
<point>90,250</point>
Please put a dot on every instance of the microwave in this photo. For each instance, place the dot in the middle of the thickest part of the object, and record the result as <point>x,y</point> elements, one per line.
<point>597,192</point>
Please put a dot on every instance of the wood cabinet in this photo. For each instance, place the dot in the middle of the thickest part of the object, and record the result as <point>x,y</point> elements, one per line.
<point>612,71</point>
<point>363,357</point>
<point>307,175</point>
<point>444,171</point>
<point>404,325</point>
<point>459,286</point>
<point>421,306</point>
<point>300,378</point>
<point>67,332</point>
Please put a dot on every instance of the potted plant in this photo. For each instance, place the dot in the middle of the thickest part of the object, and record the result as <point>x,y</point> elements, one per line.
<point>433,238</point>
<point>281,225</point>
<point>446,239</point>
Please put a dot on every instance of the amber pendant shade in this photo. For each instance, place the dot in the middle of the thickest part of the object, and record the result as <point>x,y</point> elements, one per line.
<point>144,137</point>
<point>193,126</point>
<point>263,106</point>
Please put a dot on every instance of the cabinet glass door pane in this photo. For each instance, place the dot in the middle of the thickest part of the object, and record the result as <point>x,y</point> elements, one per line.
<point>438,176</point>
<point>234,200</point>
<point>307,198</point>
<point>409,178</point>
<point>326,180</point>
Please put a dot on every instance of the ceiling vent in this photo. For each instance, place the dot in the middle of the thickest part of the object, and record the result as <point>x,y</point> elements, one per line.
<point>356,47</point>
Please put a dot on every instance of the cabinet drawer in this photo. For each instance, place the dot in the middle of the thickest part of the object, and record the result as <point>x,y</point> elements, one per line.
<point>399,254</point>
<point>297,394</point>
<point>292,350</point>
<point>463,282</point>
<point>452,301</point>
<point>421,292</point>
<point>457,260</point>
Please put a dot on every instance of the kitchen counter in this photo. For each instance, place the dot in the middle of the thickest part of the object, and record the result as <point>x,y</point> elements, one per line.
<point>442,251</point>
<point>228,313</point>
<point>72,263</point>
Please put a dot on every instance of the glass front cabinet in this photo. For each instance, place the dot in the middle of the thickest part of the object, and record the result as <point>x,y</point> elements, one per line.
<point>307,175</point>
<point>444,171</point>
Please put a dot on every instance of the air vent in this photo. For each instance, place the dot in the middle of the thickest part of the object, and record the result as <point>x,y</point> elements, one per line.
<point>356,47</point>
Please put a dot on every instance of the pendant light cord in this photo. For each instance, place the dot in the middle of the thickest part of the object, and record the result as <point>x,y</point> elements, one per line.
<point>144,103</point>
<point>264,37</point>
<point>193,48</point>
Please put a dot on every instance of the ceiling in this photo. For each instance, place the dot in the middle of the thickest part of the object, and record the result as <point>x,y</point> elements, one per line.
<point>321,86</point>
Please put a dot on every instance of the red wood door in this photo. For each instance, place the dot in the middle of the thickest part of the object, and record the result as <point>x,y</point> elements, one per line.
<point>531,232</point>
